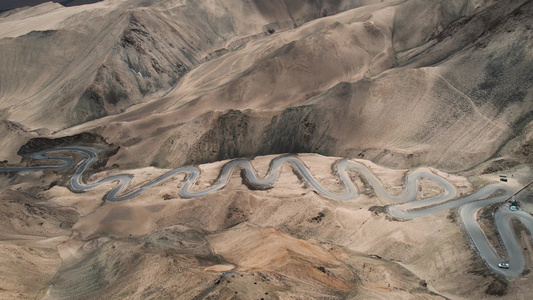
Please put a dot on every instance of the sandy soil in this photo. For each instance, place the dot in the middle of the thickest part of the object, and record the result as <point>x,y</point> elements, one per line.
<point>282,242</point>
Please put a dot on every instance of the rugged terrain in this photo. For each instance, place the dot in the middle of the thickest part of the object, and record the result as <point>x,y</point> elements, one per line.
<point>160,84</point>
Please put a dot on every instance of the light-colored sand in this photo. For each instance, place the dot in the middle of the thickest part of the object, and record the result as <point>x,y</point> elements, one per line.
<point>291,242</point>
<point>299,241</point>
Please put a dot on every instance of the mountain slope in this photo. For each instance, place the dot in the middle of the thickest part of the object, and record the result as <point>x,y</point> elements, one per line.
<point>400,86</point>
<point>102,60</point>
<point>354,84</point>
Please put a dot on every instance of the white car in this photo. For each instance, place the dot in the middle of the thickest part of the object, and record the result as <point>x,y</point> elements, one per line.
<point>503,265</point>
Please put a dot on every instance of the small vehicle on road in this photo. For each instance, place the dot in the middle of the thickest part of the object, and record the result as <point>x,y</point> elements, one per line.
<point>503,265</point>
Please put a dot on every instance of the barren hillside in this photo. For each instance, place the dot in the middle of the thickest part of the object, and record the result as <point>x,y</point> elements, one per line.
<point>156,85</point>
<point>438,78</point>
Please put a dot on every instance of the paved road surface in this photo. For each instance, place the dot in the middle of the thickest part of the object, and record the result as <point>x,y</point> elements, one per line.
<point>407,208</point>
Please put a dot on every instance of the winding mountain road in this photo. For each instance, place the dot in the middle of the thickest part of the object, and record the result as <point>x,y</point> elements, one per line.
<point>407,208</point>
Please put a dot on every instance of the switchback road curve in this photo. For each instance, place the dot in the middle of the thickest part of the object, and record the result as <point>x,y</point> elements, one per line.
<point>407,208</point>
